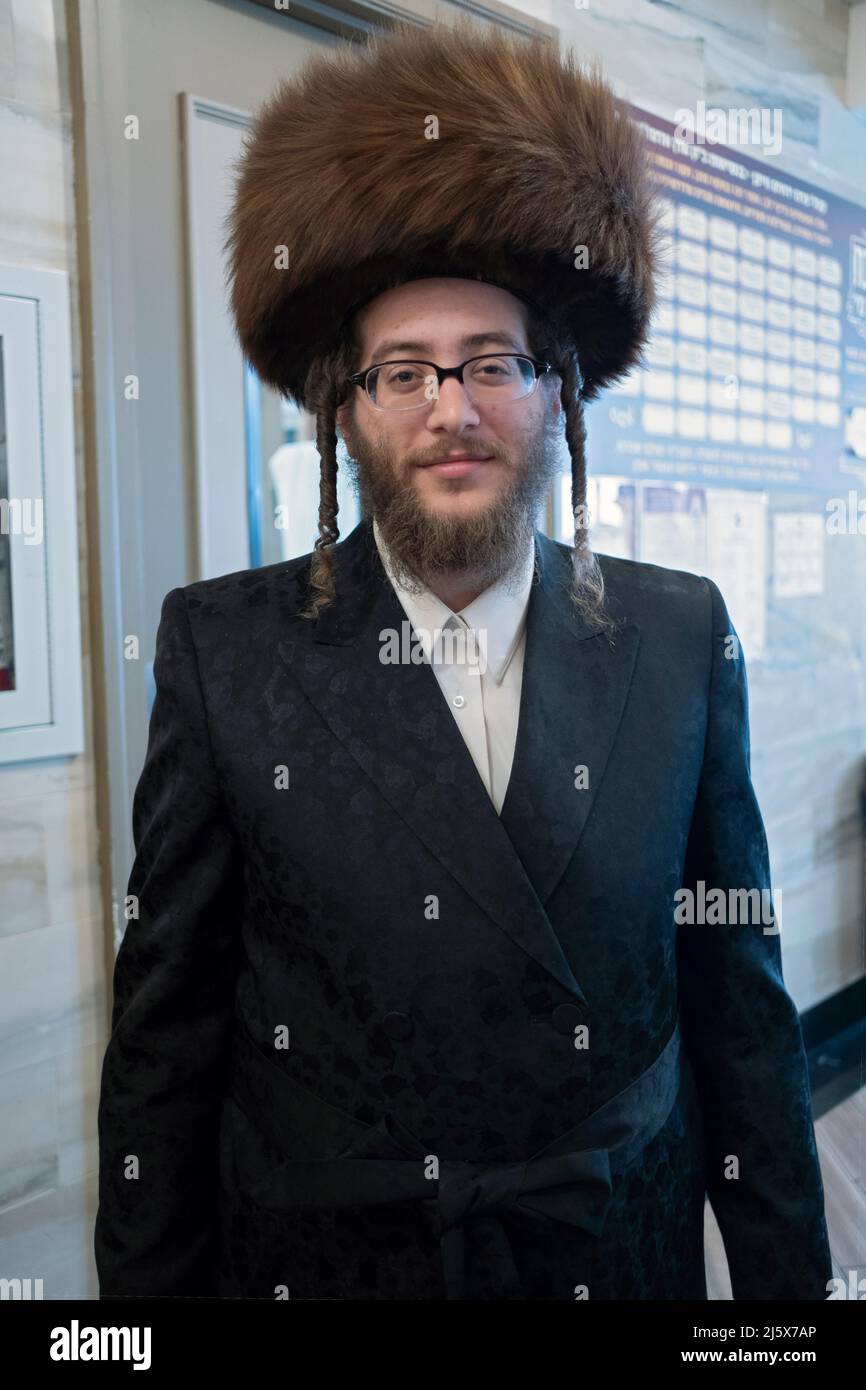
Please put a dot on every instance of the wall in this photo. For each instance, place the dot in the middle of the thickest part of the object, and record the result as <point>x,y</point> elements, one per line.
<point>52,927</point>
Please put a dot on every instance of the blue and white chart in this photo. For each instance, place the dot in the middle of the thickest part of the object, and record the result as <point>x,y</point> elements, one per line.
<point>755,374</point>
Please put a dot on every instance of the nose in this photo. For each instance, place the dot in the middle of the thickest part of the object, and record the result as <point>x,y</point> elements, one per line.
<point>452,409</point>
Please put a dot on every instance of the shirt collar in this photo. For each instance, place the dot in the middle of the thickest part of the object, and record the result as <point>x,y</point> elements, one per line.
<point>497,613</point>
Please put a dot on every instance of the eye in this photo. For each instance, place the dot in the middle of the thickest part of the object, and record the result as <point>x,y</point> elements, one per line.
<point>493,369</point>
<point>403,376</point>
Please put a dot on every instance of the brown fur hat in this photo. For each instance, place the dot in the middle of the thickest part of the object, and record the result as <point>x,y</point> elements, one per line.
<point>528,159</point>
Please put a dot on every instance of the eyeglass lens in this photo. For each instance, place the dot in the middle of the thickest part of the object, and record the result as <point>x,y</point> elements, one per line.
<point>402,385</point>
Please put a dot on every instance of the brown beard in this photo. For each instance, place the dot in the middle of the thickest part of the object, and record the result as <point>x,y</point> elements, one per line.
<point>484,548</point>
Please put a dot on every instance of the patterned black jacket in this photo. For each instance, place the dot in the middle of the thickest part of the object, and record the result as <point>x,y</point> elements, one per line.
<point>359,1014</point>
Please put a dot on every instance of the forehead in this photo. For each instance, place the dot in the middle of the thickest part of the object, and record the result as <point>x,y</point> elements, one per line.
<point>445,315</point>
<point>487,340</point>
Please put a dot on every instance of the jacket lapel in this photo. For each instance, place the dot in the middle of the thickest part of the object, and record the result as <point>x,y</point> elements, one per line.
<point>572,699</point>
<point>394,721</point>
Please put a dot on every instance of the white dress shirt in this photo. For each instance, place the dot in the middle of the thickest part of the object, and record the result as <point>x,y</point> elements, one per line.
<point>477,658</point>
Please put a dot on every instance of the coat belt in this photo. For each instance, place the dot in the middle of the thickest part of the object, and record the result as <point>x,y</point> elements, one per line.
<point>568,1181</point>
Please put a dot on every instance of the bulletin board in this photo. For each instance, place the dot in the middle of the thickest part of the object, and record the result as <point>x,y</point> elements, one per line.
<point>755,374</point>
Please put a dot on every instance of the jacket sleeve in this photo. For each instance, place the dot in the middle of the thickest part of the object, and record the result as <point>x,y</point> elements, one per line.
<point>164,1069</point>
<point>740,1027</point>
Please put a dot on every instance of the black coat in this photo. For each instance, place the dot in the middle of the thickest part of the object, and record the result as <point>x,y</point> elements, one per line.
<point>458,990</point>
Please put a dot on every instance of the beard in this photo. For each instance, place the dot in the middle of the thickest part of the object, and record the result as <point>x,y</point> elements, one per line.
<point>487,547</point>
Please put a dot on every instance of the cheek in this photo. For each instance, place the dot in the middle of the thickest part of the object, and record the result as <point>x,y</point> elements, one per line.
<point>354,434</point>
<point>365,430</point>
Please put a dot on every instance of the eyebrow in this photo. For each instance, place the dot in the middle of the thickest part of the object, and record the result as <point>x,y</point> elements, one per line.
<point>388,346</point>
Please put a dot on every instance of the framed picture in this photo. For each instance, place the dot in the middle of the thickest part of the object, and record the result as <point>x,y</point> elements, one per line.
<point>40,647</point>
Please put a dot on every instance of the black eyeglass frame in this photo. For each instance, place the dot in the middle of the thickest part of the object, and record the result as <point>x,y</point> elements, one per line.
<point>360,378</point>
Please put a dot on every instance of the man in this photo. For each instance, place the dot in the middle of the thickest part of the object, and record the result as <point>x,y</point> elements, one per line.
<point>408,1006</point>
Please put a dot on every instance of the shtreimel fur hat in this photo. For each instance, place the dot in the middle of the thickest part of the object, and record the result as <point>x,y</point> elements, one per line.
<point>448,150</point>
<point>444,151</point>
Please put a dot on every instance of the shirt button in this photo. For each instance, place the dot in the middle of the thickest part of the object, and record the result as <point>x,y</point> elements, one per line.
<point>459,701</point>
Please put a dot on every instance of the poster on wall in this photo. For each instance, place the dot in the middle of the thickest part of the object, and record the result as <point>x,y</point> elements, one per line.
<point>755,373</point>
<point>718,532</point>
<point>798,554</point>
<point>41,698</point>
<point>737,561</point>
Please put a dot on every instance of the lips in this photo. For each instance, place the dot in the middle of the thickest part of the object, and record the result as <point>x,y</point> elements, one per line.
<point>459,458</point>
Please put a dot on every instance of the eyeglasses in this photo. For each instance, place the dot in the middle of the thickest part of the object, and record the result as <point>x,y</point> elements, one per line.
<point>493,377</point>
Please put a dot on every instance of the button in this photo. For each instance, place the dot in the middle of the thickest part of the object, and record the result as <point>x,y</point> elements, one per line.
<point>398,1025</point>
<point>565,1018</point>
<point>459,701</point>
